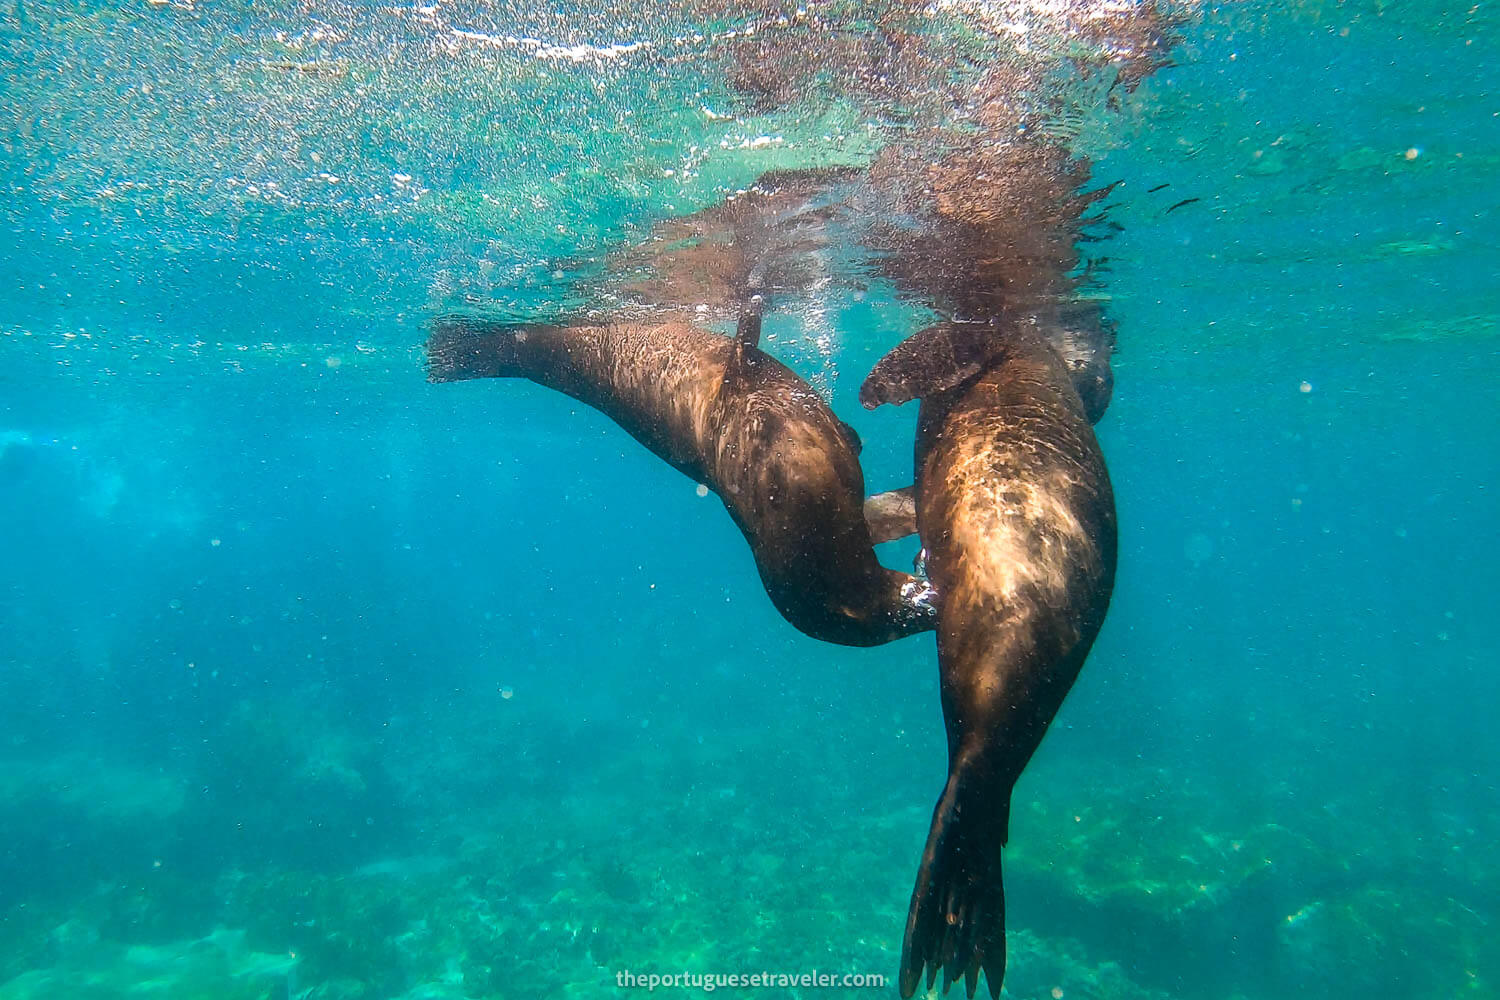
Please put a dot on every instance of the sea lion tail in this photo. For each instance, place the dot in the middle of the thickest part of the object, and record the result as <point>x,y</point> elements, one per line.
<point>463,347</point>
<point>957,918</point>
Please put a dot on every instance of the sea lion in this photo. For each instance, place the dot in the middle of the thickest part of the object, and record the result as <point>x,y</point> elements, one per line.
<point>732,417</point>
<point>1016,513</point>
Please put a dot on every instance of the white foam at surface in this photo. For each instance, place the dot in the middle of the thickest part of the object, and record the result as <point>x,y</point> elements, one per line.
<point>547,50</point>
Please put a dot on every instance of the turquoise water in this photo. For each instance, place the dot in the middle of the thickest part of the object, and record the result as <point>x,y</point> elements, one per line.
<point>320,681</point>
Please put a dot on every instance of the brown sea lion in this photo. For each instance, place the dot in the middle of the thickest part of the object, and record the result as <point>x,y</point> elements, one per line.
<point>730,416</point>
<point>1015,511</point>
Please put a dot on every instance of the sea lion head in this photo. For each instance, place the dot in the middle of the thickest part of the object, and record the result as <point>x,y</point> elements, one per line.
<point>1086,341</point>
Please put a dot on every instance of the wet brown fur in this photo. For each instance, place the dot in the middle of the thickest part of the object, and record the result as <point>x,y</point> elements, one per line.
<point>1015,509</point>
<point>728,415</point>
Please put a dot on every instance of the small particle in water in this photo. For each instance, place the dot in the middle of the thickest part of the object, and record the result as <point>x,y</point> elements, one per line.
<point>1057,993</point>
<point>1304,913</point>
<point>507,694</point>
<point>175,604</point>
<point>1198,548</point>
<point>1413,153</point>
<point>1305,387</point>
<point>333,362</point>
<point>701,490</point>
<point>1296,503</point>
<point>215,542</point>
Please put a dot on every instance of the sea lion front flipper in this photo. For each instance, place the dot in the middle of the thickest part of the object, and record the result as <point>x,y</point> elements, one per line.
<point>930,361</point>
<point>957,918</point>
<point>892,515</point>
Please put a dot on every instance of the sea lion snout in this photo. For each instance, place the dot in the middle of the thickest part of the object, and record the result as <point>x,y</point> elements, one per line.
<point>1096,387</point>
<point>1086,341</point>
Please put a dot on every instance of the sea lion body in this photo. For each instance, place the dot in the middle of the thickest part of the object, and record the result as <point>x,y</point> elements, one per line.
<point>1016,513</point>
<point>732,417</point>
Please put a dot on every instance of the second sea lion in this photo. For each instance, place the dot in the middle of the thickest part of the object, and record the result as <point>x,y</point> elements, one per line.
<point>1016,513</point>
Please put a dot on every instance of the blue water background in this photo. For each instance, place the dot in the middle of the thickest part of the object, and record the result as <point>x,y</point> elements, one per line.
<point>457,691</point>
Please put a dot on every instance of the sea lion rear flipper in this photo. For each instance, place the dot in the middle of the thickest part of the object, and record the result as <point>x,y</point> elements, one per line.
<point>746,336</point>
<point>930,361</point>
<point>747,331</point>
<point>463,347</point>
<point>957,916</point>
<point>892,515</point>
